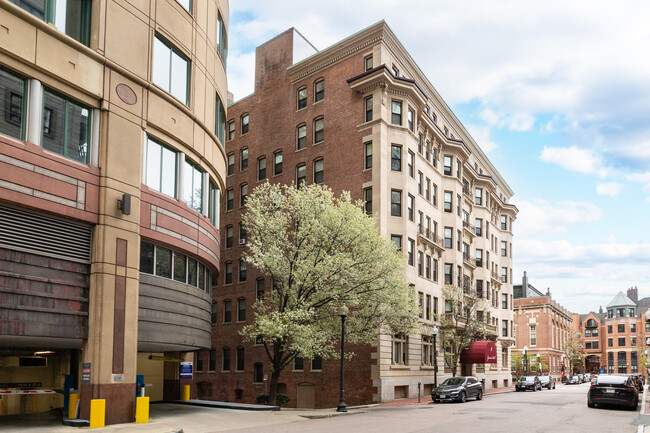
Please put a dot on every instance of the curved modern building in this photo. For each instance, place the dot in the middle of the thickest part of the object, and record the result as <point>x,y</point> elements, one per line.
<point>112,122</point>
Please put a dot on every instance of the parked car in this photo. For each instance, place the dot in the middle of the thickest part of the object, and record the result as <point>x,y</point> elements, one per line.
<point>593,378</point>
<point>528,382</point>
<point>458,389</point>
<point>587,377</point>
<point>547,381</point>
<point>639,380</point>
<point>581,378</point>
<point>573,380</point>
<point>611,389</point>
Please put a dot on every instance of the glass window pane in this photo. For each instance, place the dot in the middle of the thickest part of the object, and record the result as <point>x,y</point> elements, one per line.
<point>201,277</point>
<point>53,123</point>
<point>179,267</point>
<point>163,262</point>
<point>77,132</point>
<point>161,59</point>
<point>34,7</point>
<point>146,258</point>
<point>153,164</point>
<point>168,175</point>
<point>179,78</point>
<point>191,272</point>
<point>185,4</point>
<point>12,91</point>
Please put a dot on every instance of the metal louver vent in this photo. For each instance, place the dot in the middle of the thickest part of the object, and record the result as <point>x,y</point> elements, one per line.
<point>45,235</point>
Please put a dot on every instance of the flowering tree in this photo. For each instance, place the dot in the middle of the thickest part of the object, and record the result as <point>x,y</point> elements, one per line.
<point>321,252</point>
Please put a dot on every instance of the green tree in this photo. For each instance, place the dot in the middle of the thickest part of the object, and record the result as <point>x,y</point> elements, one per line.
<point>462,323</point>
<point>573,347</point>
<point>321,252</point>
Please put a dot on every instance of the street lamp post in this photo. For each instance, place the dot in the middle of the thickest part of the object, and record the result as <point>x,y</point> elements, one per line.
<point>434,333</point>
<point>525,361</point>
<point>343,312</point>
<point>539,363</point>
<point>563,373</point>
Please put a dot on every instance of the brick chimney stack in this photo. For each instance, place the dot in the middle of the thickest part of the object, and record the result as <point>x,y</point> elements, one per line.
<point>633,294</point>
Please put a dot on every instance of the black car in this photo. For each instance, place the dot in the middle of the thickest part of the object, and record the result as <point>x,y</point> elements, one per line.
<point>611,389</point>
<point>547,382</point>
<point>528,382</point>
<point>458,389</point>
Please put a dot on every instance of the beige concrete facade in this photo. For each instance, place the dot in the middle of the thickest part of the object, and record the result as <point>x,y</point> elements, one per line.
<point>110,71</point>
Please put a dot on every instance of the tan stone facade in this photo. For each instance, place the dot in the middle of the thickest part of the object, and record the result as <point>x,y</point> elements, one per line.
<point>360,116</point>
<point>87,104</point>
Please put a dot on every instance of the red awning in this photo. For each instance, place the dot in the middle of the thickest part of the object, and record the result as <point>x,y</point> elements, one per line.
<point>479,352</point>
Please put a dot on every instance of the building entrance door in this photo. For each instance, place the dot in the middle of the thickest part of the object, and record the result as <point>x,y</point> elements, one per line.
<point>306,396</point>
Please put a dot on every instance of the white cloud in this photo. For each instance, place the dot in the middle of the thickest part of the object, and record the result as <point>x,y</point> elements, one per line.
<point>542,217</point>
<point>481,135</point>
<point>609,188</point>
<point>576,159</point>
<point>639,177</point>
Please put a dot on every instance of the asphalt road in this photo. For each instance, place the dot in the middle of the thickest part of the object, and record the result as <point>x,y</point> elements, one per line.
<point>563,410</point>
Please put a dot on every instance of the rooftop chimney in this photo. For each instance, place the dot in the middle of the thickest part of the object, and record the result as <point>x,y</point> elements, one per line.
<point>524,286</point>
<point>633,294</point>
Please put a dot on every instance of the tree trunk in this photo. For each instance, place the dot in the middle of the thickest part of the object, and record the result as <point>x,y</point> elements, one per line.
<point>273,389</point>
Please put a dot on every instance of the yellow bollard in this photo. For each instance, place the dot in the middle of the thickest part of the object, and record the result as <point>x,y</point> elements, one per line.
<point>185,393</point>
<point>72,405</point>
<point>142,410</point>
<point>97,413</point>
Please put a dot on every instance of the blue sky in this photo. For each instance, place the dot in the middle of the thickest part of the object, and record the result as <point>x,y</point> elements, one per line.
<point>557,94</point>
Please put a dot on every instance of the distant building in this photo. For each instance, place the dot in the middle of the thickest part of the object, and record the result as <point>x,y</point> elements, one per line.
<point>615,339</point>
<point>542,325</point>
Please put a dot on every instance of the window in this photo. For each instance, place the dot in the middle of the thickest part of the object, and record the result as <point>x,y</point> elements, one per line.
<point>161,159</point>
<point>632,341</point>
<point>447,165</point>
<point>318,171</point>
<point>301,136</point>
<point>609,329</point>
<point>504,249</point>
<point>298,363</point>
<point>243,158</point>
<point>621,341</point>
<point>228,273</point>
<point>66,125</point>
<point>448,306</point>
<point>302,98</point>
<point>397,241</point>
<point>242,234</point>
<point>449,241</point>
<point>420,182</point>
<point>227,311</point>
<point>479,288</point>
<point>396,113</point>
<point>396,157</point>
<point>301,173</point>
<point>409,117</point>
<point>458,171</point>
<point>231,164</point>
<point>71,17</point>
<point>243,194</point>
<point>427,267</point>
<point>420,144</point>
<point>277,163</point>
<point>319,90</point>
<point>479,258</point>
<point>410,205</point>
<point>259,289</point>
<point>411,247</point>
<point>409,160</point>
<point>434,195</point>
<point>241,309</point>
<point>399,349</point>
<point>435,270</point>
<point>214,203</point>
<point>622,362</point>
<point>504,275</point>
<point>240,359</point>
<point>478,197</point>
<point>258,372</point>
<point>504,222</point>
<point>504,328</point>
<point>171,69</point>
<point>367,194</point>
<point>231,130</point>
<point>319,130</point>
<point>449,276</point>
<point>316,363</point>
<point>13,121</point>
<point>427,307</point>
<point>533,336</point>
<point>242,270</point>
<point>479,227</point>
<point>458,203</point>
<point>632,328</point>
<point>395,202</point>
<point>427,151</point>
<point>367,148</point>
<point>448,198</point>
<point>220,121</point>
<point>222,39</point>
<point>193,185</point>
<point>225,359</point>
<point>261,168</point>
<point>244,123</point>
<point>229,236</point>
<point>610,342</point>
<point>230,199</point>
<point>504,301</point>
<point>621,328</point>
<point>427,350</point>
<point>368,108</point>
<point>395,71</point>
<point>368,63</point>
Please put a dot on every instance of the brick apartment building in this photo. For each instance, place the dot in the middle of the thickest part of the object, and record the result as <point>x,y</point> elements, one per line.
<point>542,325</point>
<point>615,340</point>
<point>94,117</point>
<point>360,116</point>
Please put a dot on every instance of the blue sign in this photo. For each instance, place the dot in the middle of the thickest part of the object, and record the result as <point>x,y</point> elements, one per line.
<point>602,371</point>
<point>186,371</point>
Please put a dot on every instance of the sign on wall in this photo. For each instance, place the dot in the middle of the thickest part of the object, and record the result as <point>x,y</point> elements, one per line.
<point>186,371</point>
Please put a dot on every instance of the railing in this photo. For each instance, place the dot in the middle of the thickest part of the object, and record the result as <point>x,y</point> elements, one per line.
<point>470,260</point>
<point>430,236</point>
